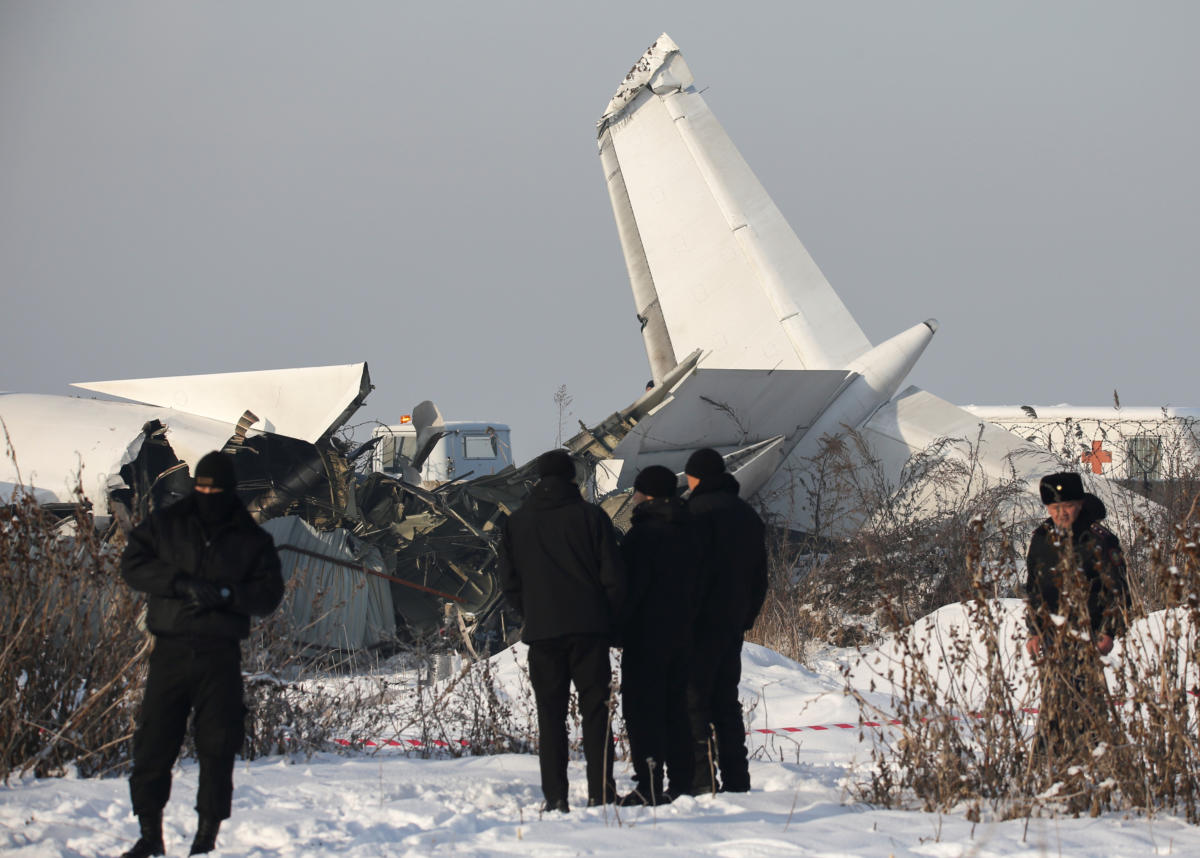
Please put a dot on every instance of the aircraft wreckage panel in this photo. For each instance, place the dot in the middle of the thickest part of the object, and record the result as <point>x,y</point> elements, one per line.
<point>308,403</point>
<point>340,596</point>
<point>732,409</point>
<point>98,435</point>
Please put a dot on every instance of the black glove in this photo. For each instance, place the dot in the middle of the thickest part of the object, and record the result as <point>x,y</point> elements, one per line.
<point>201,595</point>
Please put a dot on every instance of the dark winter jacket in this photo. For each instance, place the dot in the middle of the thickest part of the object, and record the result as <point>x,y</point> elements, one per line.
<point>235,553</point>
<point>733,539</point>
<point>560,567</point>
<point>1090,548</point>
<point>662,557</point>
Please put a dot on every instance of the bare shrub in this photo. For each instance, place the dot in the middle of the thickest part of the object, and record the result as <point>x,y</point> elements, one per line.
<point>978,726</point>
<point>72,657</point>
<point>907,553</point>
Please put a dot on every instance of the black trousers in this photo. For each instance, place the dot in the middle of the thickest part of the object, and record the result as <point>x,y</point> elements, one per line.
<point>654,683</point>
<point>186,677</point>
<point>553,665</point>
<point>716,713</point>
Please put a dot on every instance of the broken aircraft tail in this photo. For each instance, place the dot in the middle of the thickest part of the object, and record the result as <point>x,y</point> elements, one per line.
<point>712,262</point>
<point>750,347</point>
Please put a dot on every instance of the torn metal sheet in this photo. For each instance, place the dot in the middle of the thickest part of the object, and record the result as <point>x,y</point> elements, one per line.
<point>341,599</point>
<point>598,442</point>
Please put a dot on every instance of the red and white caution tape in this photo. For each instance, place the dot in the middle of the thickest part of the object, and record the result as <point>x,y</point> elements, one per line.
<point>438,743</point>
<point>402,743</point>
<point>817,728</point>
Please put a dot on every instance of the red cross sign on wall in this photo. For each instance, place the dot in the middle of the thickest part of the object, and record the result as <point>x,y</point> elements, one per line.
<point>1097,457</point>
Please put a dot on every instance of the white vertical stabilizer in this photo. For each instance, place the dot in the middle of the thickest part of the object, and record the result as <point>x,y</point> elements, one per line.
<point>712,262</point>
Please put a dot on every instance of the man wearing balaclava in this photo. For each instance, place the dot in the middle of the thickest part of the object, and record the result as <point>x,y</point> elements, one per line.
<point>207,567</point>
<point>732,587</point>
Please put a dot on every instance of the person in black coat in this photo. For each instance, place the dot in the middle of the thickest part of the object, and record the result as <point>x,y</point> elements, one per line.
<point>1077,595</point>
<point>561,571</point>
<point>207,568</point>
<point>1073,539</point>
<point>733,585</point>
<point>662,559</point>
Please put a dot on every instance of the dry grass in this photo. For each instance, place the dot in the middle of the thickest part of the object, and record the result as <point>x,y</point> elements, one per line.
<point>1110,734</point>
<point>72,658</point>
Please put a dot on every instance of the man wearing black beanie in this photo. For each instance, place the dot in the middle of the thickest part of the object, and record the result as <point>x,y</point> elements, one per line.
<point>207,567</point>
<point>561,571</point>
<point>662,558</point>
<point>733,585</point>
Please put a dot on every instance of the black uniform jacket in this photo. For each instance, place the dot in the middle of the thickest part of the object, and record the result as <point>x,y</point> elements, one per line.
<point>560,567</point>
<point>733,539</point>
<point>662,557</point>
<point>1096,552</point>
<point>236,553</point>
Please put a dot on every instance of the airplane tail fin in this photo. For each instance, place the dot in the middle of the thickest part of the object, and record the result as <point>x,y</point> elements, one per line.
<point>712,262</point>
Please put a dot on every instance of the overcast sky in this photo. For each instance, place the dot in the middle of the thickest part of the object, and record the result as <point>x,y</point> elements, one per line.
<point>222,186</point>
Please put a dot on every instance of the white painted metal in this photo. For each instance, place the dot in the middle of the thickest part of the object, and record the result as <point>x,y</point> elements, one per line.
<point>728,410</point>
<point>705,245</point>
<point>60,443</point>
<point>63,442</point>
<point>304,403</point>
<point>1143,444</point>
<point>460,449</point>
<point>714,267</point>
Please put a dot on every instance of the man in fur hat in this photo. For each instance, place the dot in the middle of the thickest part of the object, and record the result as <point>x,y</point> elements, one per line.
<point>1077,601</point>
<point>207,568</point>
<point>1072,542</point>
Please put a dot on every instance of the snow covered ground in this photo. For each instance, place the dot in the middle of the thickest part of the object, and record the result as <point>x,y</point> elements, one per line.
<point>387,803</point>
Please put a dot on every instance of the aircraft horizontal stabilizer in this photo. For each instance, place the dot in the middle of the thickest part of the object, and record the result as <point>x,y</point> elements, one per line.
<point>754,466</point>
<point>728,409</point>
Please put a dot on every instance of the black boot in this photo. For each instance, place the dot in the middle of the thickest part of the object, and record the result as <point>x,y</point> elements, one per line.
<point>151,842</point>
<point>704,779</point>
<point>206,835</point>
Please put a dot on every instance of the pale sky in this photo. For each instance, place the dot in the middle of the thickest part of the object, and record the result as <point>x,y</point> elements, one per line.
<point>223,186</point>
